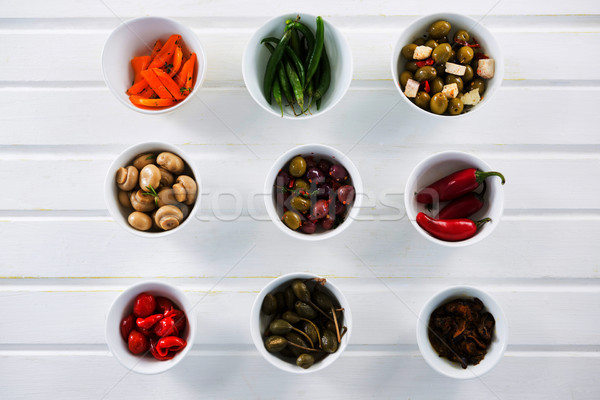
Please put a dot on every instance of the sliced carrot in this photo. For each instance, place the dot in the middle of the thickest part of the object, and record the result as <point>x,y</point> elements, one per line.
<point>166,52</point>
<point>156,49</point>
<point>189,80</point>
<point>177,57</point>
<point>138,87</point>
<point>169,83</point>
<point>182,76</point>
<point>147,93</point>
<point>140,101</point>
<point>156,84</point>
<point>139,64</point>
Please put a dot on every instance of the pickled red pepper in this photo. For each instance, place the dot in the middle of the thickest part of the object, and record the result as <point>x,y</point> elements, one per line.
<point>455,185</point>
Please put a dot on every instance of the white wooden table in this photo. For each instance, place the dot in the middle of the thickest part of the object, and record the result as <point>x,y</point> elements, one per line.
<point>63,259</point>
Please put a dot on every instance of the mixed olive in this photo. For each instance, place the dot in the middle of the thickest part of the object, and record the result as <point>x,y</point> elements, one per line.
<point>306,323</point>
<point>159,188</point>
<point>312,194</point>
<point>445,74</point>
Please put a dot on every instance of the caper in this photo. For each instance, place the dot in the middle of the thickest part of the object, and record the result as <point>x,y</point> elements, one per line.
<point>297,166</point>
<point>329,341</point>
<point>304,310</point>
<point>456,106</point>
<point>310,330</point>
<point>275,344</point>
<point>280,327</point>
<point>322,300</point>
<point>292,220</point>
<point>305,360</point>
<point>422,100</point>
<point>425,73</point>
<point>462,35</point>
<point>437,85</point>
<point>411,66</point>
<point>479,84</point>
<point>455,79</point>
<point>441,53</point>
<point>408,51</point>
<point>431,43</point>
<point>438,103</point>
<point>439,29</point>
<point>468,73</point>
<point>301,184</point>
<point>465,54</point>
<point>291,317</point>
<point>301,290</point>
<point>294,338</point>
<point>300,204</point>
<point>269,305</point>
<point>404,77</point>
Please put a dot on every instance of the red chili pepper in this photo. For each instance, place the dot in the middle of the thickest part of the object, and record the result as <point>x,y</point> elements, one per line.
<point>168,344</point>
<point>463,43</point>
<point>464,206</point>
<point>291,184</point>
<point>450,230</point>
<point>426,87</point>
<point>455,185</point>
<point>148,322</point>
<point>423,63</point>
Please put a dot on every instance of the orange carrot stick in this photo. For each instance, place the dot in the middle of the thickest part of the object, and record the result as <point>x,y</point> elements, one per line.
<point>147,93</point>
<point>169,83</point>
<point>156,84</point>
<point>157,46</point>
<point>166,52</point>
<point>182,76</point>
<point>189,81</point>
<point>177,57</point>
<point>138,87</point>
<point>139,64</point>
<point>140,101</point>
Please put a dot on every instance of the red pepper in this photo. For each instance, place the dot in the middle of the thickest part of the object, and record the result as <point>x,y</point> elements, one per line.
<point>426,87</point>
<point>291,184</point>
<point>463,43</point>
<point>481,56</point>
<point>126,326</point>
<point>154,352</point>
<point>164,305</point>
<point>455,185</point>
<point>423,63</point>
<point>450,230</point>
<point>148,322</point>
<point>166,327</point>
<point>464,206</point>
<point>168,344</point>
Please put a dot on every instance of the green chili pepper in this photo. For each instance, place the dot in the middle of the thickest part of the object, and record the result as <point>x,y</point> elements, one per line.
<point>271,69</point>
<point>289,52</point>
<point>295,82</point>
<point>325,78</point>
<point>315,56</point>
<point>310,38</point>
<point>295,42</point>
<point>283,80</point>
<point>277,94</point>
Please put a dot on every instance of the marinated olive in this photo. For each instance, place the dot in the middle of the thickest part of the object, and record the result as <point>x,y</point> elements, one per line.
<point>422,100</point>
<point>408,51</point>
<point>439,29</point>
<point>405,76</point>
<point>455,79</point>
<point>275,344</point>
<point>441,53</point>
<point>425,73</point>
<point>304,310</point>
<point>300,204</point>
<point>431,43</point>
<point>462,35</point>
<point>465,54</point>
<point>297,166</point>
<point>468,74</point>
<point>438,103</point>
<point>440,69</point>
<point>411,66</point>
<point>419,41</point>
<point>338,172</point>
<point>477,83</point>
<point>329,341</point>
<point>437,85</point>
<point>301,184</point>
<point>292,220</point>
<point>305,361</point>
<point>308,227</point>
<point>456,106</point>
<point>452,57</point>
<point>269,305</point>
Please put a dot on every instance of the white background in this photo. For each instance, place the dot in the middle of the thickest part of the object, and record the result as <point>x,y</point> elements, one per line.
<point>63,259</point>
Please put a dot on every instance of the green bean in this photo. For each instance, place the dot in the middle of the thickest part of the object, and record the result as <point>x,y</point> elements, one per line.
<point>310,38</point>
<point>315,56</point>
<point>277,94</point>
<point>293,56</point>
<point>296,84</point>
<point>271,69</point>
<point>325,78</point>
<point>283,80</point>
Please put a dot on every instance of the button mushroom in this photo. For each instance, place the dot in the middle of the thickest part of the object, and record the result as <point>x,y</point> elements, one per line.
<point>140,221</point>
<point>168,217</point>
<point>170,162</point>
<point>185,189</point>
<point>124,199</point>
<point>166,197</point>
<point>141,201</point>
<point>166,178</point>
<point>144,159</point>
<point>149,176</point>
<point>127,178</point>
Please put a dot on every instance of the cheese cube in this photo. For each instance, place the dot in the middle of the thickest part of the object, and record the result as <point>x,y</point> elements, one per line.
<point>412,87</point>
<point>471,98</point>
<point>455,69</point>
<point>422,52</point>
<point>450,91</point>
<point>485,68</point>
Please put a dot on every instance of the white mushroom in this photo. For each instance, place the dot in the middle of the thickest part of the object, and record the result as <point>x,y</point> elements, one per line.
<point>168,217</point>
<point>166,196</point>
<point>170,162</point>
<point>141,201</point>
<point>144,159</point>
<point>149,176</point>
<point>166,178</point>
<point>124,199</point>
<point>185,189</point>
<point>127,178</point>
<point>140,221</point>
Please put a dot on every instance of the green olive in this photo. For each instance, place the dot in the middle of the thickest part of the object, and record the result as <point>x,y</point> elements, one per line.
<point>297,166</point>
<point>477,83</point>
<point>462,35</point>
<point>422,100</point>
<point>404,77</point>
<point>465,54</point>
<point>291,317</point>
<point>301,184</point>
<point>440,69</point>
<point>431,43</point>
<point>468,73</point>
<point>441,53</point>
<point>438,103</point>
<point>301,290</point>
<point>304,310</point>
<point>408,51</point>
<point>455,79</point>
<point>425,73</point>
<point>280,327</point>
<point>329,341</point>
<point>275,344</point>
<point>305,361</point>
<point>419,41</point>
<point>456,106</point>
<point>437,85</point>
<point>443,39</point>
<point>411,66</point>
<point>292,220</point>
<point>269,305</point>
<point>439,29</point>
<point>452,57</point>
<point>322,300</point>
<point>300,204</point>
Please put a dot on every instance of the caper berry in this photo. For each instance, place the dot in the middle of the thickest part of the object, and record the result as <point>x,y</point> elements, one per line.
<point>301,290</point>
<point>291,317</point>
<point>275,344</point>
<point>329,341</point>
<point>269,305</point>
<point>304,310</point>
<point>280,327</point>
<point>305,360</point>
<point>322,300</point>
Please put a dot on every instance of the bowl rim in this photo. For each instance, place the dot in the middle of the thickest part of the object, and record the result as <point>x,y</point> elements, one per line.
<point>479,236</point>
<point>431,356</point>
<point>200,53</point>
<point>302,149</point>
<point>345,85</point>
<point>113,207</point>
<point>132,291</point>
<point>257,335</point>
<point>498,59</point>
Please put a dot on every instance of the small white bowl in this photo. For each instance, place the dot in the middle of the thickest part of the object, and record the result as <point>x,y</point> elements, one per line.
<point>419,28</point>
<point>257,55</point>
<point>259,323</point>
<point>450,368</point>
<point>321,151</point>
<point>111,191</point>
<point>440,165</point>
<point>136,37</point>
<point>123,306</point>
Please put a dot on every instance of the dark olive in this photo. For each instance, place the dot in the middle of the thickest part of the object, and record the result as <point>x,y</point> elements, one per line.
<point>275,344</point>
<point>408,51</point>
<point>302,184</point>
<point>477,83</point>
<point>422,100</point>
<point>455,79</point>
<point>425,73</point>
<point>292,220</point>
<point>439,29</point>
<point>468,74</point>
<point>438,103</point>
<point>465,54</point>
<point>419,41</point>
<point>269,305</point>
<point>456,106</point>
<point>301,290</point>
<point>431,43</point>
<point>329,341</point>
<point>411,66</point>
<point>437,85</point>
<point>290,298</point>
<point>441,53</point>
<point>280,327</point>
<point>304,310</point>
<point>462,35</point>
<point>404,77</point>
<point>297,166</point>
<point>311,331</point>
<point>291,317</point>
<point>300,204</point>
<point>305,361</point>
<point>322,300</point>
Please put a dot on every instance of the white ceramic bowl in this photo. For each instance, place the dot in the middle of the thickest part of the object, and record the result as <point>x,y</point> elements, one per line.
<point>111,191</point>
<point>475,28</point>
<point>440,165</point>
<point>257,55</point>
<point>495,350</point>
<point>259,323</point>
<point>136,37</point>
<point>320,151</point>
<point>123,306</point>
